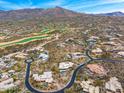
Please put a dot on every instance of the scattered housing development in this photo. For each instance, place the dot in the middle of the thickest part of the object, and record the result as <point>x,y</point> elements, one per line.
<point>60,51</point>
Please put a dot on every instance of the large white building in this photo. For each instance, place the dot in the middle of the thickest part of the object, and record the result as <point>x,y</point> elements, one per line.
<point>76,55</point>
<point>97,50</point>
<point>7,84</point>
<point>45,77</point>
<point>121,53</point>
<point>65,65</point>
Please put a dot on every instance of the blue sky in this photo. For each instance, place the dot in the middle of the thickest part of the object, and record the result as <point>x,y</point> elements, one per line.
<point>87,6</point>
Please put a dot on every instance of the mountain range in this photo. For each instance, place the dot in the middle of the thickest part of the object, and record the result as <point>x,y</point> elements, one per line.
<point>118,13</point>
<point>39,12</point>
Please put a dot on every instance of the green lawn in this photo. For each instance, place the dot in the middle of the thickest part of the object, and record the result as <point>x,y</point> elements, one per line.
<point>31,39</point>
<point>45,31</point>
<point>25,40</point>
<point>2,34</point>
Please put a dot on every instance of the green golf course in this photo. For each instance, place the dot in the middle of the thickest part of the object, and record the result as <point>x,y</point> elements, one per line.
<point>22,41</point>
<point>45,33</point>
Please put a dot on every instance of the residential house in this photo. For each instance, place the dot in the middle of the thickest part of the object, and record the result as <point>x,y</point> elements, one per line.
<point>121,53</point>
<point>76,55</point>
<point>65,65</point>
<point>44,56</point>
<point>97,51</point>
<point>7,84</point>
<point>45,77</point>
<point>21,55</point>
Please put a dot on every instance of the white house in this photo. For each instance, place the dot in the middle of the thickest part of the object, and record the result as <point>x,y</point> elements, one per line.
<point>94,37</point>
<point>21,55</point>
<point>7,84</point>
<point>6,62</point>
<point>45,77</point>
<point>65,65</point>
<point>2,64</point>
<point>5,76</point>
<point>76,55</point>
<point>44,56</point>
<point>110,43</point>
<point>121,53</point>
<point>11,72</point>
<point>97,50</point>
<point>88,87</point>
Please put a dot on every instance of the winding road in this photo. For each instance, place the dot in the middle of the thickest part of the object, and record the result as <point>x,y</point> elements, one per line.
<point>72,80</point>
<point>68,85</point>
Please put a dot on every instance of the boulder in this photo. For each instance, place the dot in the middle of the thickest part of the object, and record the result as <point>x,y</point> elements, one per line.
<point>97,69</point>
<point>114,85</point>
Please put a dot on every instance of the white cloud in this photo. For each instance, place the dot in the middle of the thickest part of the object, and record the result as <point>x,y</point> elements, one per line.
<point>114,1</point>
<point>4,2</point>
<point>84,5</point>
<point>9,5</point>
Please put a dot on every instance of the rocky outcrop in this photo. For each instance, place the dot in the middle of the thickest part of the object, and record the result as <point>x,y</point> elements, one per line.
<point>113,85</point>
<point>97,69</point>
<point>88,87</point>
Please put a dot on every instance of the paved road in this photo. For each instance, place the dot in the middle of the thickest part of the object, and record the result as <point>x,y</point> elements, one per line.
<point>71,82</point>
<point>108,60</point>
<point>68,85</point>
<point>112,51</point>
